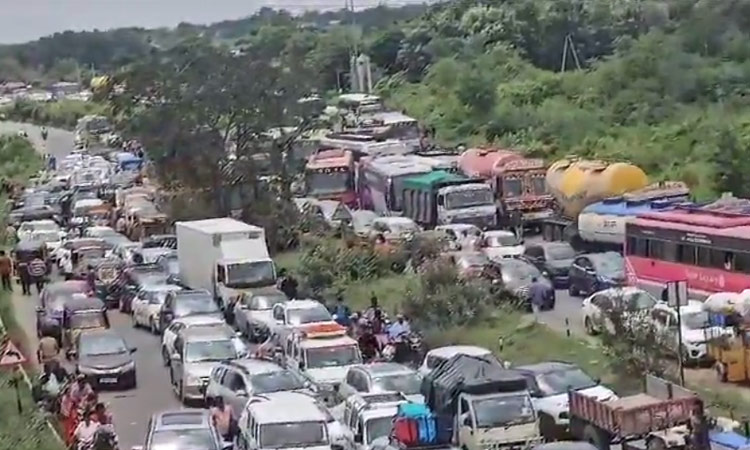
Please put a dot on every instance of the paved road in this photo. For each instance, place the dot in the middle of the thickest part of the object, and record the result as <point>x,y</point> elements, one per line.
<point>132,408</point>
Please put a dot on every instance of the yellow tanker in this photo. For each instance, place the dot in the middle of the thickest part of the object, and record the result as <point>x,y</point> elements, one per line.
<point>576,183</point>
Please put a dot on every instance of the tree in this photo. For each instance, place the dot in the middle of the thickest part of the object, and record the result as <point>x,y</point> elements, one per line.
<point>383,49</point>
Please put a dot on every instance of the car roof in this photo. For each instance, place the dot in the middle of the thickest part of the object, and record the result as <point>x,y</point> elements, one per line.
<point>286,407</point>
<point>395,220</point>
<point>201,319</point>
<point>207,334</point>
<point>329,342</point>
<point>491,233</point>
<point>546,367</point>
<point>161,287</point>
<point>183,419</point>
<point>621,290</point>
<point>452,350</point>
<point>301,304</point>
<point>191,292</point>
<point>253,366</point>
<point>263,292</point>
<point>385,368</point>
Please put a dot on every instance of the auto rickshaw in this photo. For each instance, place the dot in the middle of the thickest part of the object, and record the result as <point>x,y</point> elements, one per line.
<point>730,351</point>
<point>27,250</point>
<point>108,272</point>
<point>81,313</point>
<point>100,215</point>
<point>85,257</point>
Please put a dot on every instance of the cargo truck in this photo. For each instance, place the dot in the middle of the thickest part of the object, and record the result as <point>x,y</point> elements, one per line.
<point>443,198</point>
<point>487,405</point>
<point>224,256</point>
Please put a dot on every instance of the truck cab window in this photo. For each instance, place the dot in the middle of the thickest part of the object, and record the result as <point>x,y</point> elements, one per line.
<point>220,275</point>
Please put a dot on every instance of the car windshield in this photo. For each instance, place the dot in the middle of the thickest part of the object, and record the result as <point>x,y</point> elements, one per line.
<point>183,440</point>
<point>561,381</point>
<point>210,351</point>
<point>468,198</point>
<point>244,275</point>
<point>41,226</point>
<point>640,300</point>
<point>377,428</point>
<point>264,302</point>
<point>83,320</point>
<point>328,183</point>
<point>156,297</point>
<point>332,356</point>
<point>503,410</point>
<point>301,316</point>
<point>45,236</point>
<point>609,264</point>
<point>188,306</point>
<point>102,344</point>
<point>290,435</point>
<point>501,240</point>
<point>408,383</point>
<point>516,271</point>
<point>558,252</point>
<point>695,320</point>
<point>282,380</point>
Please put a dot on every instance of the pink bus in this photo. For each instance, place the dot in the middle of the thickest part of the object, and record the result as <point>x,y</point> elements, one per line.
<point>709,249</point>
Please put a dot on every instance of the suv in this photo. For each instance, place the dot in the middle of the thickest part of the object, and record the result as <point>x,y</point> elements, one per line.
<point>182,429</point>
<point>554,258</point>
<point>382,377</point>
<point>236,381</point>
<point>253,312</point>
<point>196,353</point>
<point>371,416</point>
<point>283,421</point>
<point>549,383</point>
<point>179,304</point>
<point>295,313</point>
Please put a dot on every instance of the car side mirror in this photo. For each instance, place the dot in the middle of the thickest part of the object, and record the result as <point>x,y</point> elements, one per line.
<point>337,447</point>
<point>301,365</point>
<point>242,393</point>
<point>358,438</point>
<point>227,446</point>
<point>39,309</point>
<point>133,350</point>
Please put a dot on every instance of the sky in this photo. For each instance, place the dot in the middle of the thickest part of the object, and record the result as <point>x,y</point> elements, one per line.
<point>25,20</point>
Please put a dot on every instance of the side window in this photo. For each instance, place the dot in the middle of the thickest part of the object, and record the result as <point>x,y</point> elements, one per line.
<point>289,346</point>
<point>465,415</point>
<point>178,346</point>
<point>220,273</point>
<point>235,381</point>
<point>227,377</point>
<point>217,373</point>
<point>360,382</point>
<point>278,313</point>
<point>351,377</point>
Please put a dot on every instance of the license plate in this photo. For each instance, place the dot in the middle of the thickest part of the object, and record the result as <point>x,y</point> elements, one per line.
<point>108,380</point>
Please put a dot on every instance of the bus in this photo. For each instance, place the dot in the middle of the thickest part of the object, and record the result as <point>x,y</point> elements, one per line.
<point>380,181</point>
<point>707,248</point>
<point>329,175</point>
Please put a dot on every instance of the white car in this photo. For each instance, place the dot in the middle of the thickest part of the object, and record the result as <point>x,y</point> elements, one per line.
<point>147,304</point>
<point>501,244</point>
<point>383,377</point>
<point>99,232</point>
<point>179,325</point>
<point>464,236</point>
<point>362,220</point>
<point>52,239</point>
<point>549,383</point>
<point>695,326</point>
<point>26,229</point>
<point>287,316</point>
<point>633,301</point>
<point>434,357</point>
<point>394,228</point>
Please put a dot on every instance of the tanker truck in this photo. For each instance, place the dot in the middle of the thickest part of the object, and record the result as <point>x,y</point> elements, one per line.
<point>576,183</point>
<point>518,183</point>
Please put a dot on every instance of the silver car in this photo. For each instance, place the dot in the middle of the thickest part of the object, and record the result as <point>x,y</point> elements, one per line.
<point>253,312</point>
<point>196,353</point>
<point>382,377</point>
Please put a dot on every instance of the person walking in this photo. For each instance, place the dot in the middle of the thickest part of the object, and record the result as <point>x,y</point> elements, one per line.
<point>38,273</point>
<point>6,271</point>
<point>48,350</point>
<point>342,313</point>
<point>221,415</point>
<point>85,432</point>
<point>22,268</point>
<point>287,284</point>
<point>537,292</point>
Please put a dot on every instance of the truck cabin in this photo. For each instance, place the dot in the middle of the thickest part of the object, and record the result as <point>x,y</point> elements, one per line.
<point>329,174</point>
<point>520,178</point>
<point>245,274</point>
<point>128,162</point>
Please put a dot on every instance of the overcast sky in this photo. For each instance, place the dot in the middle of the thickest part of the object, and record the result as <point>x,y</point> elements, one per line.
<point>25,20</point>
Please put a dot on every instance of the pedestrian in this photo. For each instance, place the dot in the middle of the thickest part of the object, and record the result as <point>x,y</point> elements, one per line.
<point>10,235</point>
<point>85,431</point>
<point>399,329</point>
<point>537,294</point>
<point>287,285</point>
<point>80,390</point>
<point>22,269</point>
<point>516,223</point>
<point>342,313</point>
<point>48,350</point>
<point>106,436</point>
<point>6,271</point>
<point>91,278</point>
<point>38,273</point>
<point>221,415</point>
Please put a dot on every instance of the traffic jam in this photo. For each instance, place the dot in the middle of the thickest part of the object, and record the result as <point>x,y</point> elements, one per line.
<point>253,366</point>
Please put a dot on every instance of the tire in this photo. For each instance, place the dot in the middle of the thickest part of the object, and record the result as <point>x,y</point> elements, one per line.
<point>721,372</point>
<point>547,427</point>
<point>134,321</point>
<point>572,290</point>
<point>595,437</point>
<point>656,444</point>
<point>152,326</point>
<point>589,326</point>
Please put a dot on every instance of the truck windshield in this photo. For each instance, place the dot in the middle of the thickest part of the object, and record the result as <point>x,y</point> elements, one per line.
<point>378,427</point>
<point>328,183</point>
<point>503,410</point>
<point>512,187</point>
<point>538,185</point>
<point>469,198</point>
<point>332,356</point>
<point>250,274</point>
<point>291,435</point>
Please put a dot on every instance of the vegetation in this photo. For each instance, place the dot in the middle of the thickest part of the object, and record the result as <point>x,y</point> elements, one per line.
<point>18,159</point>
<point>26,431</point>
<point>59,114</point>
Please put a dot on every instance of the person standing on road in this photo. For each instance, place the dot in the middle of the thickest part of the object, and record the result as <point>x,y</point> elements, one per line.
<point>287,284</point>
<point>48,350</point>
<point>342,313</point>
<point>221,415</point>
<point>22,268</point>
<point>85,432</point>
<point>91,279</point>
<point>6,271</point>
<point>38,273</point>
<point>537,292</point>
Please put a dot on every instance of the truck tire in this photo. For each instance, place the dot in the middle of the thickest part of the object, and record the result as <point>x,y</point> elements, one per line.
<point>547,427</point>
<point>656,444</point>
<point>596,437</point>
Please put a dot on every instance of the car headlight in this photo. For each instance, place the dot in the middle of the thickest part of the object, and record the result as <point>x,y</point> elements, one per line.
<point>192,380</point>
<point>128,366</point>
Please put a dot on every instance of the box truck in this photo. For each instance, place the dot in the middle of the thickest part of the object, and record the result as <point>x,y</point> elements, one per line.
<point>224,256</point>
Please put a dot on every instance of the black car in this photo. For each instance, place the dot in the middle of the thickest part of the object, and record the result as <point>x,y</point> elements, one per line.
<point>594,272</point>
<point>517,277</point>
<point>134,278</point>
<point>187,303</point>
<point>105,359</point>
<point>552,258</point>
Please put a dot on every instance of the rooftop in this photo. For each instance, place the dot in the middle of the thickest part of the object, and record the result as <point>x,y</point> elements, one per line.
<point>286,407</point>
<point>452,350</point>
<point>219,225</point>
<point>181,420</point>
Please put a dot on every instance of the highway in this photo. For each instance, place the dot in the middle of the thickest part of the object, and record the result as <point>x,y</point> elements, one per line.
<point>133,408</point>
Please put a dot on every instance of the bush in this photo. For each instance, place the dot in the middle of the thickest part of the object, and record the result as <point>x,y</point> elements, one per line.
<point>60,114</point>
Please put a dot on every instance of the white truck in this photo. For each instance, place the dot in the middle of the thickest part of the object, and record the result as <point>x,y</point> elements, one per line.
<point>224,256</point>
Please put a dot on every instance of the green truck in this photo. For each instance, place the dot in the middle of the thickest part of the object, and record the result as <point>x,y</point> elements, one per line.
<point>444,198</point>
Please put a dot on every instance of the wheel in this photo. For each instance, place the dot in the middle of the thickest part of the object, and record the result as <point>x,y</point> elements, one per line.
<point>721,372</point>
<point>656,444</point>
<point>589,326</point>
<point>572,290</point>
<point>152,325</point>
<point>134,321</point>
<point>596,437</point>
<point>547,427</point>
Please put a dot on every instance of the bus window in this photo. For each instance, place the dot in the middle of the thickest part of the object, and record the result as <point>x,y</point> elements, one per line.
<point>705,258</point>
<point>686,254</point>
<point>742,262</point>
<point>728,261</point>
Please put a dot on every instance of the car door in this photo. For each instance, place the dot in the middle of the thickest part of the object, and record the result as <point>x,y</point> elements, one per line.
<point>240,311</point>
<point>176,363</point>
<point>214,388</point>
<point>347,387</point>
<point>236,391</point>
<point>586,275</point>
<point>166,314</point>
